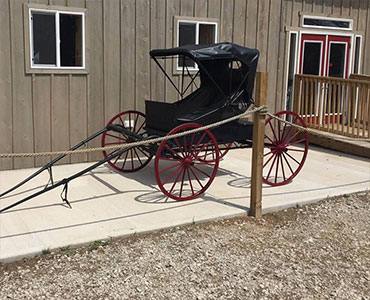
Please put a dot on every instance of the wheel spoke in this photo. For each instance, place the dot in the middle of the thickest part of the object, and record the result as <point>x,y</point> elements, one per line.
<point>146,154</point>
<point>182,181</point>
<point>277,167</point>
<point>122,122</point>
<point>169,168</point>
<point>264,165</point>
<point>124,161</point>
<point>269,138</point>
<point>185,145</point>
<point>297,142</point>
<point>135,122</point>
<point>137,156</point>
<point>132,159</point>
<point>191,185</point>
<point>177,177</point>
<point>273,131</point>
<point>288,132</point>
<point>142,125</point>
<point>268,153</point>
<point>290,168</point>
<point>201,171</point>
<point>272,165</point>
<point>191,143</point>
<point>292,158</point>
<point>172,151</point>
<point>282,167</point>
<point>196,177</point>
<point>292,137</point>
<point>171,175</point>
<point>202,137</point>
<point>117,158</point>
<point>201,149</point>
<point>180,148</point>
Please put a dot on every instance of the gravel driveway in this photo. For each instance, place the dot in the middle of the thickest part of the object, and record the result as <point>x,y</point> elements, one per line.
<point>319,251</point>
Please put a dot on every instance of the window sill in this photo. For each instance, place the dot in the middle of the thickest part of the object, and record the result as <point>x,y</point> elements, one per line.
<point>56,71</point>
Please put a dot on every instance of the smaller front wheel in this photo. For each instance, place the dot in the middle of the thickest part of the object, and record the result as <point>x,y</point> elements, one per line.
<point>186,166</point>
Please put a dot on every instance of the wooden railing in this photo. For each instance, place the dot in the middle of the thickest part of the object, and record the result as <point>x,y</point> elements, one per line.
<point>341,106</point>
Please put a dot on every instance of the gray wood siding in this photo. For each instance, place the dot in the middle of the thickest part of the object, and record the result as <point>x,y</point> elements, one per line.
<point>45,112</point>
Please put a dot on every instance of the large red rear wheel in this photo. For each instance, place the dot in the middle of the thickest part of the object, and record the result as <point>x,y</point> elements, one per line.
<point>135,158</point>
<point>186,166</point>
<point>286,149</point>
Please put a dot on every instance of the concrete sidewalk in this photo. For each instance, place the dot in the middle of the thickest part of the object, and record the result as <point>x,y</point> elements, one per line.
<point>107,204</point>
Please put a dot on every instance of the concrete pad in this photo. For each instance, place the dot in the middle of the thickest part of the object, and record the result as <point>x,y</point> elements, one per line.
<point>107,204</point>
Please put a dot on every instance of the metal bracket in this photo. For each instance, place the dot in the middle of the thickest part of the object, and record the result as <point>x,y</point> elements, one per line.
<point>51,179</point>
<point>64,193</point>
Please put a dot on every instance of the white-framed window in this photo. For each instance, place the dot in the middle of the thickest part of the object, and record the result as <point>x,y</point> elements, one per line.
<point>194,32</point>
<point>327,22</point>
<point>57,39</point>
<point>357,55</point>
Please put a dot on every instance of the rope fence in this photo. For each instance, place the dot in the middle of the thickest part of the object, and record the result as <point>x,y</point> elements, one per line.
<point>262,109</point>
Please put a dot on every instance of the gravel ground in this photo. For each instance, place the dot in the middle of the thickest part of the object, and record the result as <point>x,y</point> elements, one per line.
<point>319,251</point>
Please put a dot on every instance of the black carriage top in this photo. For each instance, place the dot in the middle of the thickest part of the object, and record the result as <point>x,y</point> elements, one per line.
<point>226,72</point>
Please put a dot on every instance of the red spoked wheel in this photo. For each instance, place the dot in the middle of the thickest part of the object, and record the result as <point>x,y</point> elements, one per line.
<point>286,148</point>
<point>186,166</point>
<point>135,158</point>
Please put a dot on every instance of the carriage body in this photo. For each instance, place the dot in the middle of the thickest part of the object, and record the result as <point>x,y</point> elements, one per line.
<point>225,73</point>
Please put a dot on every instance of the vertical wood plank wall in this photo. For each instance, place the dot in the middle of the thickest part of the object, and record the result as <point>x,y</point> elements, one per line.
<point>43,112</point>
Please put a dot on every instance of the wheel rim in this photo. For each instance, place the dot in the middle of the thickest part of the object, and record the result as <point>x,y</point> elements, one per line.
<point>286,149</point>
<point>135,158</point>
<point>186,166</point>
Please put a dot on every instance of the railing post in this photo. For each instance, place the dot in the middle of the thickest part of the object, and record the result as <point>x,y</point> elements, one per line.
<point>258,143</point>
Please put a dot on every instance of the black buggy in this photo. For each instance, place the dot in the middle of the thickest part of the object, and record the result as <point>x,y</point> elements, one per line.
<point>213,83</point>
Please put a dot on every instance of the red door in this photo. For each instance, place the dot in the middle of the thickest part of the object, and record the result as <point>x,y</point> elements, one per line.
<point>313,54</point>
<point>338,56</point>
<point>324,55</point>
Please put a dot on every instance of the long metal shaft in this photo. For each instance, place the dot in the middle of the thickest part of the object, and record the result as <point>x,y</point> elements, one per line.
<point>50,164</point>
<point>68,179</point>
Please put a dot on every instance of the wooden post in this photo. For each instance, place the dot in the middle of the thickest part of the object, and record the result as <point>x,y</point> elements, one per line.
<point>258,143</point>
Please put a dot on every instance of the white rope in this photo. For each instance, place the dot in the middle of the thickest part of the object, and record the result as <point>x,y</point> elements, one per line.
<point>313,131</point>
<point>135,144</point>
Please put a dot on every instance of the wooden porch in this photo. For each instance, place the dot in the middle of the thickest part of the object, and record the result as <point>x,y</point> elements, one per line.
<point>338,110</point>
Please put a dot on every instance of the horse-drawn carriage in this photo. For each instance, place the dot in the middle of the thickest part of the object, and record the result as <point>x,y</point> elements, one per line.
<point>213,83</point>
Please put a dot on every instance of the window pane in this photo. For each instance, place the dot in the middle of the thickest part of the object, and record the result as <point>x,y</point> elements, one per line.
<point>207,34</point>
<point>312,57</point>
<point>70,40</point>
<point>186,37</point>
<point>356,68</point>
<point>44,49</point>
<point>327,23</point>
<point>337,60</point>
<point>292,51</point>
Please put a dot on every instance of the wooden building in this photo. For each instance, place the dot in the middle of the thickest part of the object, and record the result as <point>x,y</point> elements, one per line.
<point>54,94</point>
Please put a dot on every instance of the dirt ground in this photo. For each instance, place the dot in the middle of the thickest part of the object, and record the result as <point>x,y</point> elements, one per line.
<point>319,251</point>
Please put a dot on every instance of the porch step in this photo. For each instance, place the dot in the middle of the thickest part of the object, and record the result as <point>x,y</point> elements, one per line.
<point>360,147</point>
